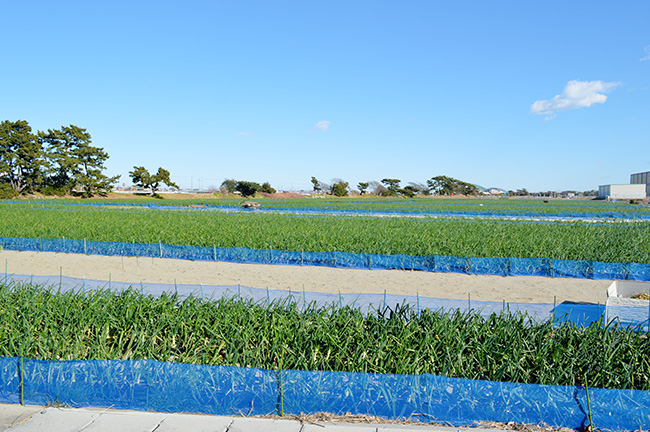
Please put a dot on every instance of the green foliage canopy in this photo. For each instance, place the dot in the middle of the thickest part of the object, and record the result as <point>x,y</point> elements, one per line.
<point>247,189</point>
<point>340,188</point>
<point>267,188</point>
<point>317,184</point>
<point>21,156</point>
<point>229,185</point>
<point>74,162</point>
<point>443,185</point>
<point>392,187</point>
<point>363,186</point>
<point>59,159</point>
<point>141,177</point>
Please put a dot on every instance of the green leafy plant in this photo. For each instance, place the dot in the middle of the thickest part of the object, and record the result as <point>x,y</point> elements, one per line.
<point>50,325</point>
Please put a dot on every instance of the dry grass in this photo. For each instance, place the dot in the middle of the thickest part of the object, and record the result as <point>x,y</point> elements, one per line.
<point>323,417</point>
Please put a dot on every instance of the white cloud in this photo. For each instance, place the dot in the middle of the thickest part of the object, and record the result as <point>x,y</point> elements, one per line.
<point>323,125</point>
<point>243,134</point>
<point>576,94</point>
<point>647,53</point>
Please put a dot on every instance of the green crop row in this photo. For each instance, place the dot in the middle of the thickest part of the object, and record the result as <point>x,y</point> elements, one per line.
<point>461,206</point>
<point>586,208</point>
<point>37,323</point>
<point>611,242</point>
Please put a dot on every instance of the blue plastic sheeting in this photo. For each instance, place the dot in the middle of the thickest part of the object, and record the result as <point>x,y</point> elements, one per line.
<point>572,269</point>
<point>9,380</point>
<point>144,385</point>
<point>611,271</point>
<point>490,266</point>
<point>639,272</point>
<point>531,267</point>
<point>461,401</point>
<point>148,385</point>
<point>585,314</point>
<point>437,263</point>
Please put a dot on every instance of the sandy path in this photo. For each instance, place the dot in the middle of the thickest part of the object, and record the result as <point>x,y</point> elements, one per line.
<point>527,289</point>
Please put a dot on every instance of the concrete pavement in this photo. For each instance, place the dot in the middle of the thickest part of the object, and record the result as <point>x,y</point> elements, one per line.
<point>17,418</point>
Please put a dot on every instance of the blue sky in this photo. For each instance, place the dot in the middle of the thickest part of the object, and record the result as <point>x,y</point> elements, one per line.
<point>549,95</point>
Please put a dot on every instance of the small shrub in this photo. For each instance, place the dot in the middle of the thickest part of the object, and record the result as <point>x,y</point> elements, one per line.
<point>54,191</point>
<point>6,191</point>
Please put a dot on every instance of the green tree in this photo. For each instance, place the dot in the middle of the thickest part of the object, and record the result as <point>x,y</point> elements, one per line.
<point>465,188</point>
<point>247,189</point>
<point>409,191</point>
<point>440,185</point>
<point>141,177</point>
<point>339,188</point>
<point>229,185</point>
<point>392,187</point>
<point>443,185</point>
<point>522,192</point>
<point>74,163</point>
<point>420,188</point>
<point>21,156</point>
<point>317,184</point>
<point>267,188</point>
<point>363,187</point>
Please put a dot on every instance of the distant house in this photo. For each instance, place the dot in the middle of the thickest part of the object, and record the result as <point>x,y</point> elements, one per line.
<point>490,191</point>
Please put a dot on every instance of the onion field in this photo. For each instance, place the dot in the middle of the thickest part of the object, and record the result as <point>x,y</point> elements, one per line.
<point>602,240</point>
<point>447,206</point>
<point>38,323</point>
<point>42,324</point>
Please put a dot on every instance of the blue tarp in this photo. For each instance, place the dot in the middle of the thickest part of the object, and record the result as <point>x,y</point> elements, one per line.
<point>149,385</point>
<point>509,266</point>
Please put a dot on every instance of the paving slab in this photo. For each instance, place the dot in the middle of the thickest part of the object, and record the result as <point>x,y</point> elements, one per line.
<point>127,421</point>
<point>57,419</point>
<point>101,420</point>
<point>195,423</point>
<point>338,427</point>
<point>14,414</point>
<point>17,418</point>
<point>243,424</point>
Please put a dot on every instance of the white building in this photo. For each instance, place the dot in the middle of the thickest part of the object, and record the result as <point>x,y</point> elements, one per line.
<point>642,178</point>
<point>622,191</point>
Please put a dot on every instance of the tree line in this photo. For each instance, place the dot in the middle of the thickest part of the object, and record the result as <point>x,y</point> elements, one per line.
<point>246,188</point>
<point>390,187</point>
<point>64,161</point>
<point>53,162</point>
<point>60,162</point>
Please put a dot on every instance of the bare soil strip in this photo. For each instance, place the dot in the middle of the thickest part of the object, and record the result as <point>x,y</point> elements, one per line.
<point>512,289</point>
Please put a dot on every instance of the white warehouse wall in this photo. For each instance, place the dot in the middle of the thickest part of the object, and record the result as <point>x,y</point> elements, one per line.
<point>623,191</point>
